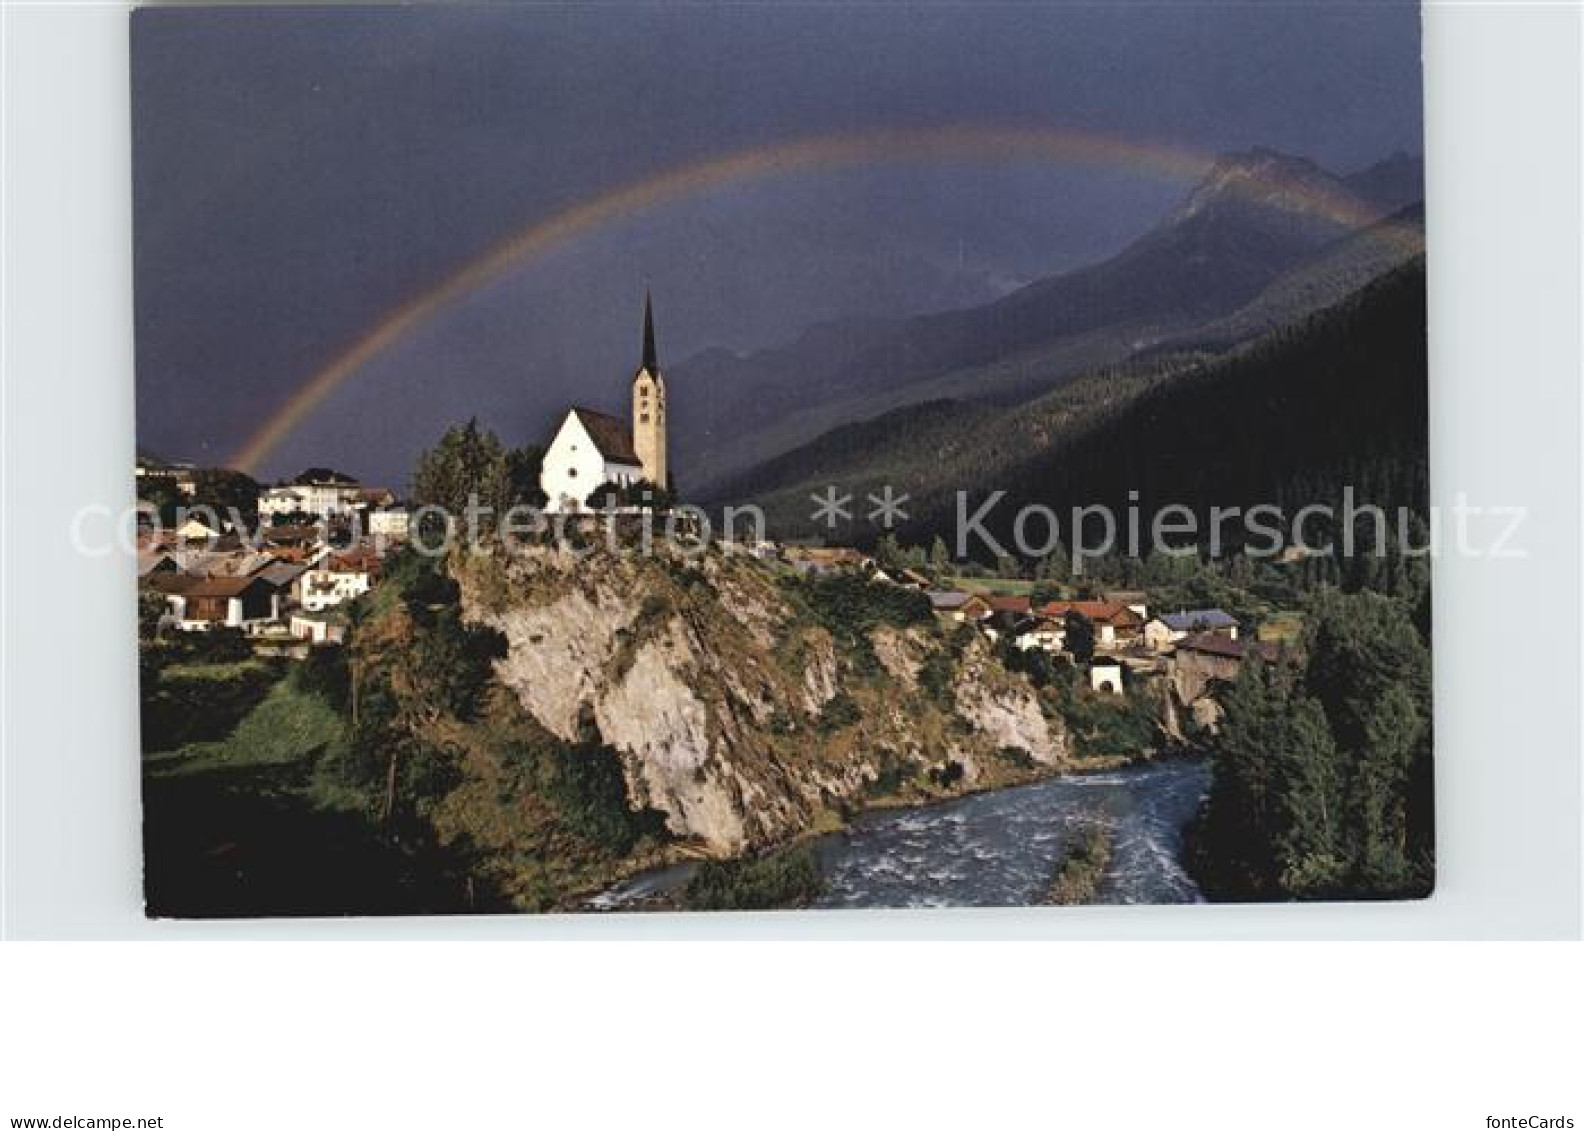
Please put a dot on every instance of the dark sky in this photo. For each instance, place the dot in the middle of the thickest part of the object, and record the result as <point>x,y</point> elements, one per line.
<point>300,172</point>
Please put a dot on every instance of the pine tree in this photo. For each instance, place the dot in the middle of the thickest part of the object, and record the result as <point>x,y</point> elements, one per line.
<point>467,466</point>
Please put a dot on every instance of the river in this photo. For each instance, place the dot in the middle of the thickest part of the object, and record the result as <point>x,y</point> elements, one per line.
<point>999,848</point>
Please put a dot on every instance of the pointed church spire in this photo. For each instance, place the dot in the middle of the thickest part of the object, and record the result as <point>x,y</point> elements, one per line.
<point>650,361</point>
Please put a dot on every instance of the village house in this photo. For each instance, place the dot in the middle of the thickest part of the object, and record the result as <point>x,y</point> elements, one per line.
<point>826,559</point>
<point>1115,626</point>
<point>591,449</point>
<point>198,604</point>
<point>240,590</point>
<point>948,603</point>
<point>326,627</point>
<point>282,500</point>
<point>182,476</point>
<point>192,530</point>
<point>1165,630</point>
<point>975,608</point>
<point>1205,660</point>
<point>291,542</point>
<point>389,522</point>
<point>338,578</point>
<point>321,494</point>
<point>1135,599</point>
<point>1048,634</point>
<point>1009,605</point>
<point>958,607</point>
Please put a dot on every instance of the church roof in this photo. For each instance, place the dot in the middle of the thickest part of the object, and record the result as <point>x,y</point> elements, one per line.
<point>612,436</point>
<point>651,359</point>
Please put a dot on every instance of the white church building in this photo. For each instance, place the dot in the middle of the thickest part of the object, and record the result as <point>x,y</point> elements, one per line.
<point>591,448</point>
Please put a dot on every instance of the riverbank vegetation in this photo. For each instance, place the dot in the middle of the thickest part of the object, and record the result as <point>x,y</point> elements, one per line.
<point>1322,782</point>
<point>1082,869</point>
<point>784,879</point>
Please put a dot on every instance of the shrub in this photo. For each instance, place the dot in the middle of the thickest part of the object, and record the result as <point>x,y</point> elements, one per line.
<point>849,605</point>
<point>935,678</point>
<point>839,711</point>
<point>216,646</point>
<point>585,785</point>
<point>1111,724</point>
<point>948,775</point>
<point>1037,664</point>
<point>888,779</point>
<point>453,662</point>
<point>201,703</point>
<point>324,672</point>
<point>1017,757</point>
<point>1082,869</point>
<point>786,879</point>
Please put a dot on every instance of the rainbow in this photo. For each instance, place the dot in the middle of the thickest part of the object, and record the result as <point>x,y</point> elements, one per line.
<point>950,143</point>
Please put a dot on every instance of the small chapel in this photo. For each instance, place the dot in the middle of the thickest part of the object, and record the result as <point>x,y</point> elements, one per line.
<point>591,448</point>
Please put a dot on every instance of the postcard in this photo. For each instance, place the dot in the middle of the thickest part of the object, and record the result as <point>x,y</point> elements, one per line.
<point>753,457</point>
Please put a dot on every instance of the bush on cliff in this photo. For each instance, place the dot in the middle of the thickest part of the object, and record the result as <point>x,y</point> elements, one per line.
<point>786,879</point>
<point>585,784</point>
<point>849,605</point>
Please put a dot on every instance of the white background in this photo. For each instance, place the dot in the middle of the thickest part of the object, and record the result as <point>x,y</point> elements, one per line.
<point>258,1035</point>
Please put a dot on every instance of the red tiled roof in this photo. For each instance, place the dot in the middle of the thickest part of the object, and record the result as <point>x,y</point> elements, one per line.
<point>1101,612</point>
<point>1010,604</point>
<point>358,560</point>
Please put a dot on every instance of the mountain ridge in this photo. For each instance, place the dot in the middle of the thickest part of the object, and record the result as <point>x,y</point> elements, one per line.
<point>1265,415</point>
<point>1256,215</point>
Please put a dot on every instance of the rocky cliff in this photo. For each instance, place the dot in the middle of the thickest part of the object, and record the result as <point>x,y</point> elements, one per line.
<point>744,704</point>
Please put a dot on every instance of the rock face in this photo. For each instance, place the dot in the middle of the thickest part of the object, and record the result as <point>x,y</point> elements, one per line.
<point>1002,709</point>
<point>720,690</point>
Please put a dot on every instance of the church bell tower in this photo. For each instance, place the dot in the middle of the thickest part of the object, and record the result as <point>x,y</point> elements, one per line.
<point>649,408</point>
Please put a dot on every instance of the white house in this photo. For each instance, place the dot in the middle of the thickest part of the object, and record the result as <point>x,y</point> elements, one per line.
<point>389,522</point>
<point>322,498</point>
<point>199,604</point>
<point>1168,628</point>
<point>319,628</point>
<point>281,500</point>
<point>181,475</point>
<point>591,448</point>
<point>1045,633</point>
<point>192,530</point>
<point>337,578</point>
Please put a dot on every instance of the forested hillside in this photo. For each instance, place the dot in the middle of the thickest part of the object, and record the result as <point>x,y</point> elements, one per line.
<point>1338,399</point>
<point>1265,238</point>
